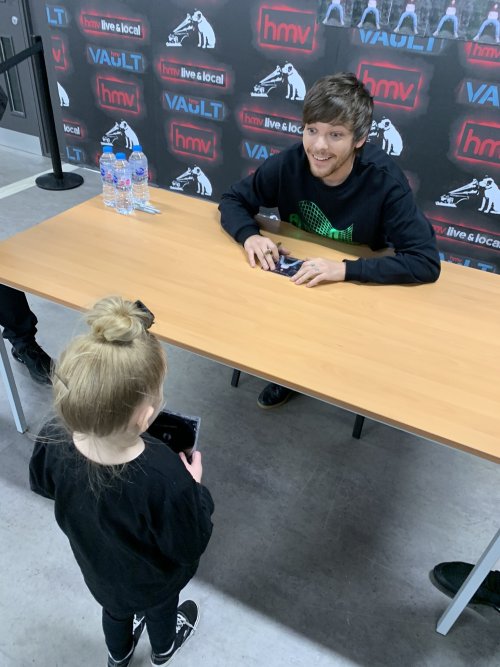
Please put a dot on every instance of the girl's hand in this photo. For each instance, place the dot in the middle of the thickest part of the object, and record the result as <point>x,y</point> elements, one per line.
<point>195,469</point>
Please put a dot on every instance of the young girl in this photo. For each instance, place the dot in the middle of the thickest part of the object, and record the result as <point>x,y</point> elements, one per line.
<point>135,514</point>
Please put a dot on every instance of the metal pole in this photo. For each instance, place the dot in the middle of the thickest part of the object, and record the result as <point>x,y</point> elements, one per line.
<point>58,180</point>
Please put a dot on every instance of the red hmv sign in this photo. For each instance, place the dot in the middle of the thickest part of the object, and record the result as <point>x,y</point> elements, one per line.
<point>287,29</point>
<point>391,85</point>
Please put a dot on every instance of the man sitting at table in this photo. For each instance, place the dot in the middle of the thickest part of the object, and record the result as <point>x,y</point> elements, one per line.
<point>336,185</point>
<point>19,324</point>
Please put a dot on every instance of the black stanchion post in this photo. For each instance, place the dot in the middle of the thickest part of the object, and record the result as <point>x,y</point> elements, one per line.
<point>58,180</point>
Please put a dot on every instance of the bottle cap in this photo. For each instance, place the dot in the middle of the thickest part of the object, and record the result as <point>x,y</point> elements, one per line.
<point>137,148</point>
<point>121,156</point>
<point>107,149</point>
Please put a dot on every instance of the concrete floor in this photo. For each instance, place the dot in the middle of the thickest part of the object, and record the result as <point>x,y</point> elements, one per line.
<point>322,544</point>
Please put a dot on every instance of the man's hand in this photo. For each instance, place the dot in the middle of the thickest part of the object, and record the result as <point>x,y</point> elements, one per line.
<point>194,468</point>
<point>264,250</point>
<point>315,271</point>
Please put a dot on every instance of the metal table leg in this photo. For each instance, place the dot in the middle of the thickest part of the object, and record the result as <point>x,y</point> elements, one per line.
<point>486,562</point>
<point>235,378</point>
<point>10,386</point>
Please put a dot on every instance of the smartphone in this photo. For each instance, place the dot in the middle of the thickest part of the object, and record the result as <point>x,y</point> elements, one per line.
<point>179,432</point>
<point>287,266</point>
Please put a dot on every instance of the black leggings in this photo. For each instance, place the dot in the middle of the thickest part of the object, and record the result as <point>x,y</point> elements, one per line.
<point>161,622</point>
<point>18,321</point>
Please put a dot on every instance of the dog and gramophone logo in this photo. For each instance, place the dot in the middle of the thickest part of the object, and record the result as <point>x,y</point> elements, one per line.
<point>385,134</point>
<point>192,180</point>
<point>121,136</point>
<point>482,194</point>
<point>283,80</point>
<point>194,29</point>
<point>63,96</point>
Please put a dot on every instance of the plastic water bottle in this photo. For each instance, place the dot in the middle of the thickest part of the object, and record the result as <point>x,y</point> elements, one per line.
<point>106,165</point>
<point>123,185</point>
<point>139,166</point>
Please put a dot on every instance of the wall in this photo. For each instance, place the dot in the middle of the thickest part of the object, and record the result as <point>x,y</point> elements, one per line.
<point>210,100</point>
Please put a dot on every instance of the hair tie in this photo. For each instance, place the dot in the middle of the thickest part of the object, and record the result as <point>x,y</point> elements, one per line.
<point>150,317</point>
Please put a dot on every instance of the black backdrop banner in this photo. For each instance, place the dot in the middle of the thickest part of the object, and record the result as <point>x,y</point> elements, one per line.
<point>212,89</point>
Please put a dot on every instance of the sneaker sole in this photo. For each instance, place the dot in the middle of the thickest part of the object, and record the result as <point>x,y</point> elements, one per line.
<point>183,644</point>
<point>275,405</point>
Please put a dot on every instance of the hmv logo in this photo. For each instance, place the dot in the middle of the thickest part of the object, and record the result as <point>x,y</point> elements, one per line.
<point>391,85</point>
<point>287,29</point>
<point>482,53</point>
<point>195,141</point>
<point>480,142</point>
<point>59,53</point>
<point>118,95</point>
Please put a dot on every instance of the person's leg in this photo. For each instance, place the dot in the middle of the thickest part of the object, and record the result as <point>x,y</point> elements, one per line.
<point>161,622</point>
<point>328,12</point>
<point>19,324</point>
<point>441,23</point>
<point>118,634</point>
<point>482,28</point>
<point>169,627</point>
<point>415,22</point>
<point>363,17</point>
<point>401,19</point>
<point>16,318</point>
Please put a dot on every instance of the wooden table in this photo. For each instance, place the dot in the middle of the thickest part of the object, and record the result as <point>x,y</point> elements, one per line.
<point>424,359</point>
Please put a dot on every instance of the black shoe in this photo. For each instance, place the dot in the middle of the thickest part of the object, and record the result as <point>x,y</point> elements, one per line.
<point>36,360</point>
<point>137,630</point>
<point>449,577</point>
<point>187,620</point>
<point>274,395</point>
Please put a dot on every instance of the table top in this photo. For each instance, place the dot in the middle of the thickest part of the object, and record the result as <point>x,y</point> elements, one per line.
<point>423,358</point>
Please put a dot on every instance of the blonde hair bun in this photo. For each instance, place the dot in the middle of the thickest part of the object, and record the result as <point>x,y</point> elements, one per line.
<point>115,320</point>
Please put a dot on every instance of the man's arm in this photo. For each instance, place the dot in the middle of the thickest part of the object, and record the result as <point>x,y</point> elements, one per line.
<point>416,258</point>
<point>243,200</point>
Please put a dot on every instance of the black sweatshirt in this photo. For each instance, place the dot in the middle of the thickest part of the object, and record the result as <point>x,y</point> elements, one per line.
<point>139,540</point>
<point>373,206</point>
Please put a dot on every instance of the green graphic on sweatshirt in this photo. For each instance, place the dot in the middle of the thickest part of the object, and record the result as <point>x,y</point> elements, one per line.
<point>312,219</point>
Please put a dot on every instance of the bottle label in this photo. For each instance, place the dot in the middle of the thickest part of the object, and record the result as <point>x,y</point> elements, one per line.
<point>140,171</point>
<point>122,181</point>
